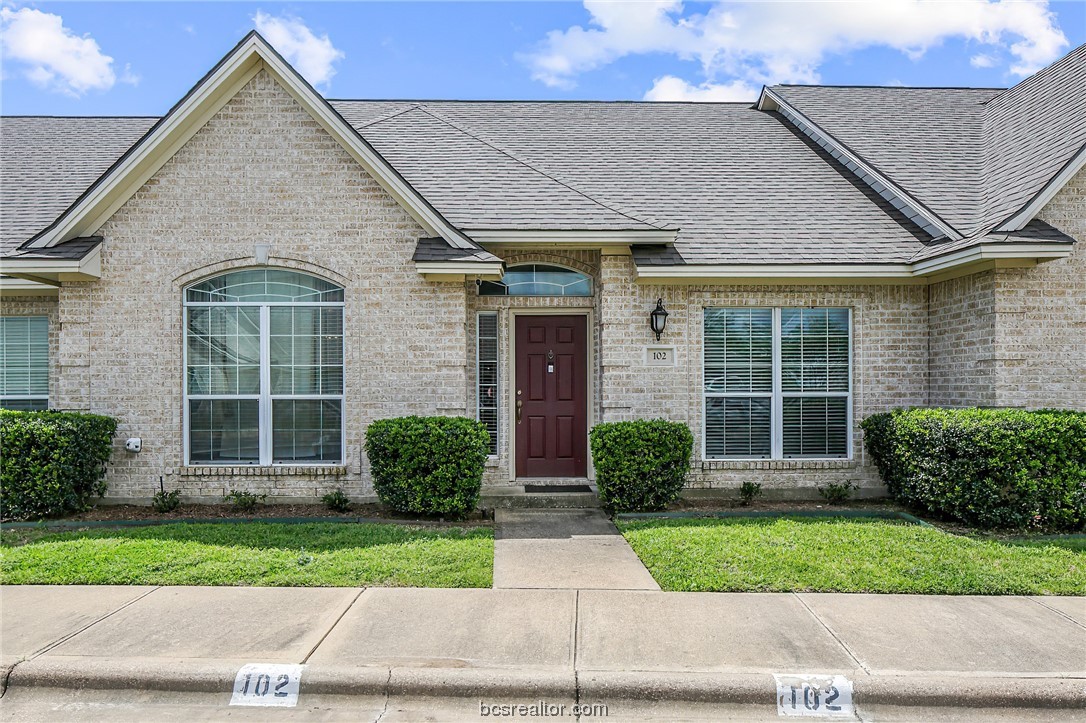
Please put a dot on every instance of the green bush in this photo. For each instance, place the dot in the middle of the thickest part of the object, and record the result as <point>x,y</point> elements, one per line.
<point>641,466</point>
<point>836,492</point>
<point>52,463</point>
<point>428,465</point>
<point>243,500</point>
<point>990,468</point>
<point>747,492</point>
<point>164,501</point>
<point>337,501</point>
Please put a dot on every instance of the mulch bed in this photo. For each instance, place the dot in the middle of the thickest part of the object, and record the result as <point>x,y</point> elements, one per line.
<point>125,513</point>
<point>711,505</point>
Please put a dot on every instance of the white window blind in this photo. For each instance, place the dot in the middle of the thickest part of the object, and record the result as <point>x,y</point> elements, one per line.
<point>486,374</point>
<point>777,383</point>
<point>24,357</point>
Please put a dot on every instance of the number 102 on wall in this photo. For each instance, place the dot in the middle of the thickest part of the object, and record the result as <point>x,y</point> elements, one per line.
<point>660,356</point>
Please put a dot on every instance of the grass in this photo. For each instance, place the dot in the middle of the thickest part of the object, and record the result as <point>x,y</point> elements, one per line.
<point>254,553</point>
<point>848,555</point>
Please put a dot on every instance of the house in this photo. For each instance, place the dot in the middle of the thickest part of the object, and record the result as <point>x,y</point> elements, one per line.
<point>248,281</point>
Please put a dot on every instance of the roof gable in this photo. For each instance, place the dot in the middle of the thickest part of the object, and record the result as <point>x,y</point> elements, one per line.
<point>87,214</point>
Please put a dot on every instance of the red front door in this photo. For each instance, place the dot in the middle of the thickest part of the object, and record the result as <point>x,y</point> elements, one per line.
<point>551,396</point>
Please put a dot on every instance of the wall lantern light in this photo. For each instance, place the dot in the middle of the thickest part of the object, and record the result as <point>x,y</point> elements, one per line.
<point>658,319</point>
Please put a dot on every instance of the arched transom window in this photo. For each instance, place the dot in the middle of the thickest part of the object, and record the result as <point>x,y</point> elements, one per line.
<point>538,280</point>
<point>264,369</point>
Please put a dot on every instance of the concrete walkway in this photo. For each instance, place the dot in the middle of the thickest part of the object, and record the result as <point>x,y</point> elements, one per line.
<point>131,653</point>
<point>565,550</point>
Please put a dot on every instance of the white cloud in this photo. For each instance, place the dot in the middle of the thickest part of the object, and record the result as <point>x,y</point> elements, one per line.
<point>52,56</point>
<point>786,42</point>
<point>982,60</point>
<point>671,88</point>
<point>313,56</point>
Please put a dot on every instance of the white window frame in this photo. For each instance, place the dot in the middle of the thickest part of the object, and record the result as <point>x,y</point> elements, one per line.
<point>48,365</point>
<point>497,378</point>
<point>265,397</point>
<point>777,395</point>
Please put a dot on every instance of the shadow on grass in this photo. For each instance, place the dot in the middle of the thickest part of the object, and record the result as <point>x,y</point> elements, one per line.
<point>314,537</point>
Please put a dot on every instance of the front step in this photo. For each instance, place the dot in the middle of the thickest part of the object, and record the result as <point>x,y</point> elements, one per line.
<point>515,497</point>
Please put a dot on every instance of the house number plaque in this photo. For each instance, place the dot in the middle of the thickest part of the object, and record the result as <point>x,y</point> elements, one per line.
<point>267,684</point>
<point>660,356</point>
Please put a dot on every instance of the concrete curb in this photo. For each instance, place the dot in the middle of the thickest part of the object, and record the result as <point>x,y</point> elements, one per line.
<point>217,677</point>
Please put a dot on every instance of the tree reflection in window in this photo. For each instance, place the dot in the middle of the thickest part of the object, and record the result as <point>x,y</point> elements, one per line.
<point>538,280</point>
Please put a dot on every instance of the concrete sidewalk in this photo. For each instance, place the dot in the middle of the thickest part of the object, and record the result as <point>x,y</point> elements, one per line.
<point>380,653</point>
<point>566,550</point>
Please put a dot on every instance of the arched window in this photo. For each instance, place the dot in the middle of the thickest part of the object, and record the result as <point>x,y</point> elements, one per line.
<point>264,369</point>
<point>538,280</point>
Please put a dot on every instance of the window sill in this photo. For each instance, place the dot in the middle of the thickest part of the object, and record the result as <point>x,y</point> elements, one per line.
<point>708,464</point>
<point>277,470</point>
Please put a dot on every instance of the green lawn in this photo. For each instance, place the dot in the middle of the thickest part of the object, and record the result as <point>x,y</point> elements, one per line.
<point>847,555</point>
<point>252,553</point>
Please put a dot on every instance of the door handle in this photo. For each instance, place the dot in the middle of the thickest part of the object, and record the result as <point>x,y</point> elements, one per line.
<point>520,404</point>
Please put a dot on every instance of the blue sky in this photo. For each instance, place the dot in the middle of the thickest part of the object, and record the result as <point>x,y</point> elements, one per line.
<point>130,58</point>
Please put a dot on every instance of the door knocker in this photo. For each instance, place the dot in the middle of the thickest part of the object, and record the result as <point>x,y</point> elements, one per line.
<point>550,361</point>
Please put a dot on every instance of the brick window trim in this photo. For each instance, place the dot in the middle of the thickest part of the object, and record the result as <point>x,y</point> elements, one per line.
<point>277,470</point>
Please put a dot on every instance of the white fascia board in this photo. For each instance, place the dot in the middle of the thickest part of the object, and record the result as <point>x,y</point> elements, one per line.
<point>13,286</point>
<point>87,268</point>
<point>852,273</point>
<point>185,120</point>
<point>467,268</point>
<point>1018,221</point>
<point>991,252</point>
<point>878,182</point>
<point>635,237</point>
<point>771,271</point>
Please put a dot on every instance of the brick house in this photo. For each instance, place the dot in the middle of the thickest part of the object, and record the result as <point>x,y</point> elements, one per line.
<point>248,281</point>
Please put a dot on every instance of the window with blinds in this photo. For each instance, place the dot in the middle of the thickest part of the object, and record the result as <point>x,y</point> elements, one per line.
<point>777,383</point>
<point>486,375</point>
<point>24,362</point>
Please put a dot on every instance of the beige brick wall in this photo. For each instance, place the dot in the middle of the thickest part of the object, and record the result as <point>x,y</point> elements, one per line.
<point>39,306</point>
<point>962,321</point>
<point>261,171</point>
<point>1016,337</point>
<point>889,364</point>
<point>1041,317</point>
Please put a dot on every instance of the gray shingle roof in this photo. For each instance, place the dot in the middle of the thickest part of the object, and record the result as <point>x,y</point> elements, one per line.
<point>476,185</point>
<point>46,163</point>
<point>973,156</point>
<point>1036,231</point>
<point>1032,130</point>
<point>930,141</point>
<point>739,185</point>
<point>77,248</point>
<point>438,249</point>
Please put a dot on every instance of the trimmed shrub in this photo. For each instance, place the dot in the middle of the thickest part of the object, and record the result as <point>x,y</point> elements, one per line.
<point>337,501</point>
<point>52,463</point>
<point>989,468</point>
<point>428,465</point>
<point>641,466</point>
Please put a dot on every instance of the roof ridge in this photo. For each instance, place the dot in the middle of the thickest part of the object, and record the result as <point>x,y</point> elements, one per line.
<point>1044,72</point>
<point>554,101</point>
<point>889,87</point>
<point>387,116</point>
<point>552,176</point>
